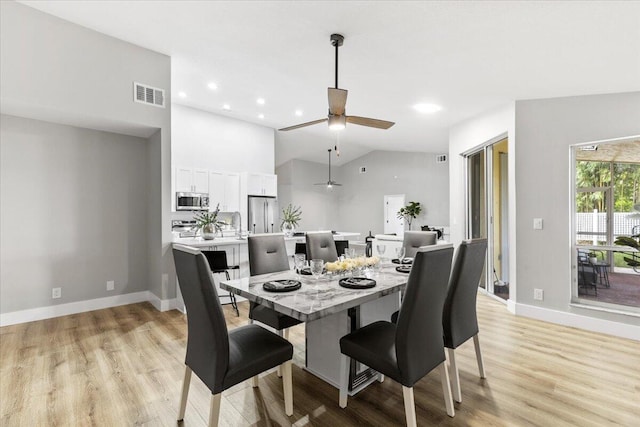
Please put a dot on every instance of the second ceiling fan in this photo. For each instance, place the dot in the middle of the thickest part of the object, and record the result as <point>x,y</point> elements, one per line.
<point>337,102</point>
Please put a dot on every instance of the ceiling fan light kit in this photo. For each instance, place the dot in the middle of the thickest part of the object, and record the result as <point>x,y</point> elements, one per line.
<point>337,122</point>
<point>337,117</point>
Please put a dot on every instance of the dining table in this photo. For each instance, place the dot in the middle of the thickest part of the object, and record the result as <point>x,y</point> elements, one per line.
<point>329,311</point>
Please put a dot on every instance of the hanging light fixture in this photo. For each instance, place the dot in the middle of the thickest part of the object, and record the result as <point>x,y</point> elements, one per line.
<point>330,183</point>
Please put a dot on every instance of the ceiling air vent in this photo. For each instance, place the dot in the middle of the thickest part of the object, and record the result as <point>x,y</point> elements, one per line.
<point>148,95</point>
<point>363,169</point>
<point>441,158</point>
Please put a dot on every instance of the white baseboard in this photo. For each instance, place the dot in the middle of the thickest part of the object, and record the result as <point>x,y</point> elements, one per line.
<point>162,304</point>
<point>51,311</point>
<point>593,324</point>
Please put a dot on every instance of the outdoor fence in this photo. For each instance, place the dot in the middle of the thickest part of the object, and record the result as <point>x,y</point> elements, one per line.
<point>590,226</point>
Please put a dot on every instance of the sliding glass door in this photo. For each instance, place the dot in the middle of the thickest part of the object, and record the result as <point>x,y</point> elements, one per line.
<point>488,213</point>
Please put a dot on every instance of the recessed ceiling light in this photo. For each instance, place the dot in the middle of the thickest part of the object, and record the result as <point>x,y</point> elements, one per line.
<point>182,94</point>
<point>298,113</point>
<point>212,86</point>
<point>427,108</point>
<point>261,116</point>
<point>260,101</point>
<point>226,107</point>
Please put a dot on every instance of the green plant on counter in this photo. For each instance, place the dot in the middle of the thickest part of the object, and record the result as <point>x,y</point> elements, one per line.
<point>291,215</point>
<point>208,221</point>
<point>410,212</point>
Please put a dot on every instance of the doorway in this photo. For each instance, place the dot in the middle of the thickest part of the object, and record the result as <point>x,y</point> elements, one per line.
<point>488,211</point>
<point>393,224</point>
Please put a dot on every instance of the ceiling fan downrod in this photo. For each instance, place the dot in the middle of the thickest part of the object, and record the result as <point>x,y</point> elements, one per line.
<point>337,40</point>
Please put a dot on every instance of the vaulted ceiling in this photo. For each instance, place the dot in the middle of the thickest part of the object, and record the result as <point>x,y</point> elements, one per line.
<point>467,57</point>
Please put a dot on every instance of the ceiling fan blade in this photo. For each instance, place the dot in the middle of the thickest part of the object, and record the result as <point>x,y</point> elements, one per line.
<point>337,101</point>
<point>301,125</point>
<point>372,123</point>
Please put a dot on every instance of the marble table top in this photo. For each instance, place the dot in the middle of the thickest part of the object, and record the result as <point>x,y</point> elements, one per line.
<point>316,298</point>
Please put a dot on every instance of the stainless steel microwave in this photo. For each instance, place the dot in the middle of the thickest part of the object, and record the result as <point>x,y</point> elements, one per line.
<point>192,201</point>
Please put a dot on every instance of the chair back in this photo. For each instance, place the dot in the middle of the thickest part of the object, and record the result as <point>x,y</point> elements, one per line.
<point>341,246</point>
<point>419,342</point>
<point>267,254</point>
<point>207,339</point>
<point>459,319</point>
<point>321,245</point>
<point>217,260</point>
<point>414,239</point>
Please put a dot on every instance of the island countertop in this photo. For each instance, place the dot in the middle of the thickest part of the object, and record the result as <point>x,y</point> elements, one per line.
<point>199,242</point>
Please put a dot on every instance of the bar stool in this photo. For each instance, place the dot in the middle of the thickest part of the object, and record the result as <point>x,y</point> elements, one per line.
<point>218,264</point>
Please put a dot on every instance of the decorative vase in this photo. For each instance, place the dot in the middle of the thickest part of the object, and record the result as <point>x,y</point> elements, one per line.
<point>208,232</point>
<point>288,229</point>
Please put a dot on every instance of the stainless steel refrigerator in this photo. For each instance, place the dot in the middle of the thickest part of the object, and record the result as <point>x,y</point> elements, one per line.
<point>263,214</point>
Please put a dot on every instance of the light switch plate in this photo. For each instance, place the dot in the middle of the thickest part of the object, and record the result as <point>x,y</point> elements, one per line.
<point>537,223</point>
<point>110,285</point>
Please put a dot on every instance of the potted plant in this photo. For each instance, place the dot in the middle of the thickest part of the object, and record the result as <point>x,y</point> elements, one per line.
<point>410,212</point>
<point>291,215</point>
<point>209,223</point>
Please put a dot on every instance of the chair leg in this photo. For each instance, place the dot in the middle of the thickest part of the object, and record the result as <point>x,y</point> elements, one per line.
<point>453,374</point>
<point>279,368</point>
<point>409,406</point>
<point>185,392</point>
<point>476,343</point>
<point>285,334</point>
<point>287,387</point>
<point>344,380</point>
<point>214,411</point>
<point>446,389</point>
<point>254,381</point>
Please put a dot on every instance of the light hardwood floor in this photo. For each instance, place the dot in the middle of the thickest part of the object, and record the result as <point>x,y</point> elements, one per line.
<point>124,366</point>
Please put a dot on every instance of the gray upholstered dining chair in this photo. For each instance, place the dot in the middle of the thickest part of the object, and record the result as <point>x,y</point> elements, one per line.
<point>410,349</point>
<point>459,319</point>
<point>268,254</point>
<point>222,358</point>
<point>413,240</point>
<point>321,245</point>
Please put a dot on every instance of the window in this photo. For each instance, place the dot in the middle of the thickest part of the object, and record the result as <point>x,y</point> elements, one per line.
<point>607,223</point>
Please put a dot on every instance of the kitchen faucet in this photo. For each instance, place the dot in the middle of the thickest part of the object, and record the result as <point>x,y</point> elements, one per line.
<point>238,223</point>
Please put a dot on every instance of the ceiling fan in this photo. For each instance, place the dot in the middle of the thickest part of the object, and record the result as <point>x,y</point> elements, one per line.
<point>337,102</point>
<point>329,183</point>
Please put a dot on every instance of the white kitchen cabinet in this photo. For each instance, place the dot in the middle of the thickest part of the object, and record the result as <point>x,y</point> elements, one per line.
<point>262,184</point>
<point>224,189</point>
<point>189,180</point>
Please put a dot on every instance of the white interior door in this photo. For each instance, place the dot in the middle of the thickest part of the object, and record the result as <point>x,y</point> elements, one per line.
<point>392,205</point>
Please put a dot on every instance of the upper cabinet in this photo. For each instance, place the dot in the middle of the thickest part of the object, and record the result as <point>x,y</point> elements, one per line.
<point>188,180</point>
<point>224,190</point>
<point>262,184</point>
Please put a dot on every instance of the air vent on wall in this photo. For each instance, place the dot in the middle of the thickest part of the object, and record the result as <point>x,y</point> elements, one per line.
<point>441,158</point>
<point>148,95</point>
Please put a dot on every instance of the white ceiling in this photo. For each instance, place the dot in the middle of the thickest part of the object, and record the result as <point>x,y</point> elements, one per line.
<point>466,56</point>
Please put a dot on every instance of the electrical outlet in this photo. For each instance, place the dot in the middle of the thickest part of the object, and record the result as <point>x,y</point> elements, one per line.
<point>111,285</point>
<point>538,294</point>
<point>56,293</point>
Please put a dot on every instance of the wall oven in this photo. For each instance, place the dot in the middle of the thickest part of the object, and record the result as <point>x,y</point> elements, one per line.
<point>192,201</point>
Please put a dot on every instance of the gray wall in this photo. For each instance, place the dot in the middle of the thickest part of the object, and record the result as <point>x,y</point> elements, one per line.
<point>296,179</point>
<point>546,129</point>
<point>540,134</point>
<point>74,209</point>
<point>416,175</point>
<point>60,72</point>
<point>358,204</point>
